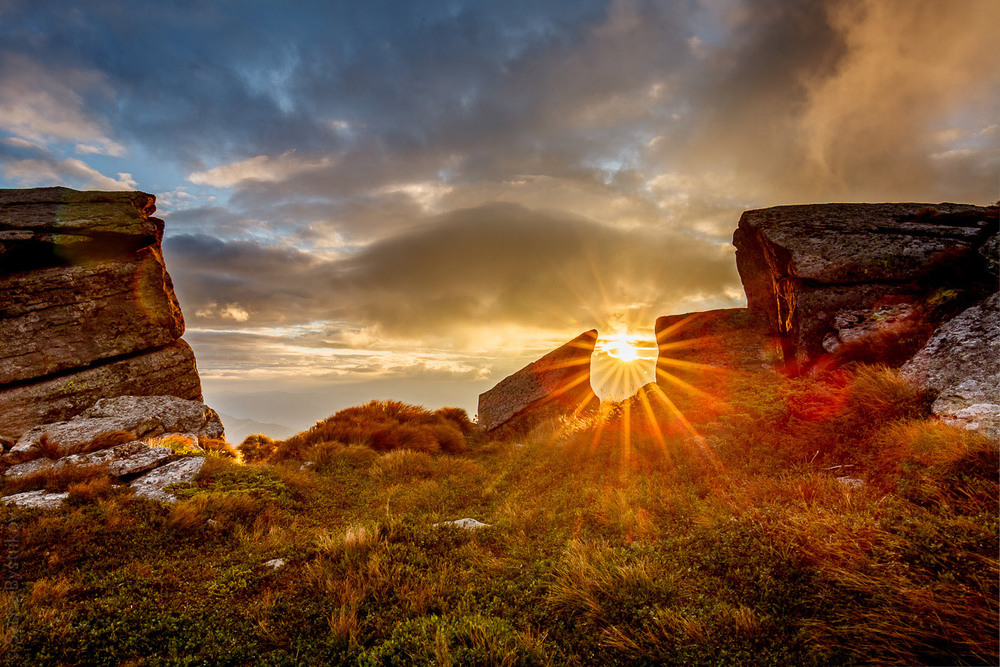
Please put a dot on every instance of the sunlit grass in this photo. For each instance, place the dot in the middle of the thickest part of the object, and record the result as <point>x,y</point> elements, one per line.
<point>820,521</point>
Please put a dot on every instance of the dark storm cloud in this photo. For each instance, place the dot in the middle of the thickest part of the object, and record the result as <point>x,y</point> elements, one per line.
<point>505,263</point>
<point>493,265</point>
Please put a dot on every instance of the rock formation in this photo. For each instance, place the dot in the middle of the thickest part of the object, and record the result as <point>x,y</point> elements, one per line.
<point>730,338</point>
<point>829,276</point>
<point>557,384</point>
<point>142,416</point>
<point>144,461</point>
<point>874,282</point>
<point>87,308</point>
<point>961,363</point>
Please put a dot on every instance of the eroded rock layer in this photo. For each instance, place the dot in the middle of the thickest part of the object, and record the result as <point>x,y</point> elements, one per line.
<point>87,308</point>
<point>168,371</point>
<point>830,275</point>
<point>557,384</point>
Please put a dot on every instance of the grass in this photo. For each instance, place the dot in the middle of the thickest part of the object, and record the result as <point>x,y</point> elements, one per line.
<point>821,521</point>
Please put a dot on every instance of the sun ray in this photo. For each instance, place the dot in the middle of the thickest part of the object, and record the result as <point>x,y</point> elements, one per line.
<point>687,343</point>
<point>675,327</point>
<point>687,386</point>
<point>577,380</point>
<point>699,438</point>
<point>654,423</point>
<point>693,365</point>
<point>602,421</point>
<point>625,438</point>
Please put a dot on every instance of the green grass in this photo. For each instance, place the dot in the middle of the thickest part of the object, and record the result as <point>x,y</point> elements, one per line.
<point>633,538</point>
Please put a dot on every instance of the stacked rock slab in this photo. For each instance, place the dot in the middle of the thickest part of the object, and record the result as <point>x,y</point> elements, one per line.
<point>826,275</point>
<point>87,308</point>
<point>558,384</point>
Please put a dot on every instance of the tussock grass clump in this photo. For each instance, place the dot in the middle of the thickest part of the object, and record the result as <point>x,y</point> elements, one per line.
<point>226,509</point>
<point>404,464</point>
<point>105,440</point>
<point>385,426</point>
<point>54,479</point>
<point>329,455</point>
<point>217,447</point>
<point>256,448</point>
<point>91,490</point>
<point>177,442</point>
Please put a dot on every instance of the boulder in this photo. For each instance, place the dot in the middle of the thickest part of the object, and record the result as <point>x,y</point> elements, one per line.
<point>68,317</point>
<point>128,459</point>
<point>87,308</point>
<point>961,363</point>
<point>45,500</point>
<point>467,523</point>
<point>730,338</point>
<point>167,370</point>
<point>139,415</point>
<point>555,385</point>
<point>803,266</point>
<point>152,485</point>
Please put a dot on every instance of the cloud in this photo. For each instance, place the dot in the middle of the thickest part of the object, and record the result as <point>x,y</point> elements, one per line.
<point>229,311</point>
<point>261,168</point>
<point>40,104</point>
<point>502,267</point>
<point>908,66</point>
<point>72,172</point>
<point>843,100</point>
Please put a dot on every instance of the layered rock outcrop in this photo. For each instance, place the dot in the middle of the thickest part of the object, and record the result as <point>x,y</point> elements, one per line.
<point>828,276</point>
<point>87,308</point>
<point>161,434</point>
<point>141,416</point>
<point>557,384</point>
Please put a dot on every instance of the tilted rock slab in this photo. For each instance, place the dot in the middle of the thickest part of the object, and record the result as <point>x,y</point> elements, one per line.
<point>557,384</point>
<point>803,265</point>
<point>152,485</point>
<point>139,415</point>
<point>961,362</point>
<point>130,458</point>
<point>168,370</point>
<point>41,499</point>
<point>87,308</point>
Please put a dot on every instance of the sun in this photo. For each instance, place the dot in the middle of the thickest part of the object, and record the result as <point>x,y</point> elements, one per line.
<point>623,350</point>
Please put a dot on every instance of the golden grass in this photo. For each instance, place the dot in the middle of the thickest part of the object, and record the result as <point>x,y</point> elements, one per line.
<point>385,426</point>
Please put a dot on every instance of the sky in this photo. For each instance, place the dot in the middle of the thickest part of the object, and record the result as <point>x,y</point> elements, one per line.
<point>414,199</point>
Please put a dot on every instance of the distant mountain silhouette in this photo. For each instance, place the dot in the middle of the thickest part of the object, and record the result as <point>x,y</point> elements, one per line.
<point>237,429</point>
